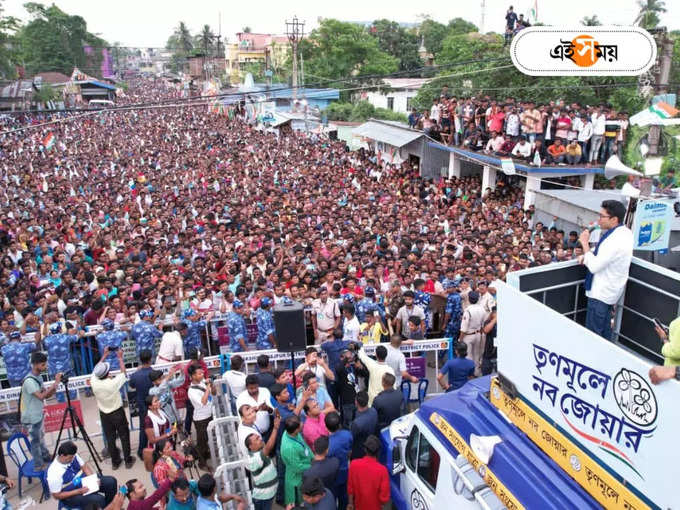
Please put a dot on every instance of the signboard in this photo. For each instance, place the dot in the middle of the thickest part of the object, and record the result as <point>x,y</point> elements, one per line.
<point>596,394</point>
<point>54,413</point>
<point>416,366</point>
<point>652,225</point>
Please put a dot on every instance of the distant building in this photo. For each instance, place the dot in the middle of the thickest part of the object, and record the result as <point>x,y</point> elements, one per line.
<point>201,66</point>
<point>267,50</point>
<point>398,99</point>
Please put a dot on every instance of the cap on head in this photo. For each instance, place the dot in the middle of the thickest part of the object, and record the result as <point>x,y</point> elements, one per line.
<point>55,328</point>
<point>189,313</point>
<point>237,304</point>
<point>370,292</point>
<point>101,370</point>
<point>265,301</point>
<point>14,335</point>
<point>145,314</point>
<point>473,297</point>
<point>107,324</point>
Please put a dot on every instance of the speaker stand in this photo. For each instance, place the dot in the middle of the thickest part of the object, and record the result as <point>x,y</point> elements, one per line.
<point>292,368</point>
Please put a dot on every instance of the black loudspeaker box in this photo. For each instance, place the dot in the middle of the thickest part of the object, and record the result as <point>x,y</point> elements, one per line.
<point>289,322</point>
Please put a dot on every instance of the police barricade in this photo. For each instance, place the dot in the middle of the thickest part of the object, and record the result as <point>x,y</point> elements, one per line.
<point>231,477</point>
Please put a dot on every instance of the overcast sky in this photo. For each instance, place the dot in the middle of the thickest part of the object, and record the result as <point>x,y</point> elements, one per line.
<point>150,22</point>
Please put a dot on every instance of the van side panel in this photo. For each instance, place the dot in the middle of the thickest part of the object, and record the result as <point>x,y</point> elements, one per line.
<point>398,499</point>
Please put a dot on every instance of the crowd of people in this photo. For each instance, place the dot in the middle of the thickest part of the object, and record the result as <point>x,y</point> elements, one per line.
<point>548,134</point>
<point>181,215</point>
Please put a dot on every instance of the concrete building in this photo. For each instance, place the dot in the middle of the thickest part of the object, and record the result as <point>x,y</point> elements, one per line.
<point>398,98</point>
<point>267,50</point>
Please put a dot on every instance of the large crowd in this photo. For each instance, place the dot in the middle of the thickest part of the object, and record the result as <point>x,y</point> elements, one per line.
<point>182,215</point>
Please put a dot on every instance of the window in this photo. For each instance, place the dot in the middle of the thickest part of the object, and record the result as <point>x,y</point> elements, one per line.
<point>390,103</point>
<point>412,449</point>
<point>408,104</point>
<point>428,463</point>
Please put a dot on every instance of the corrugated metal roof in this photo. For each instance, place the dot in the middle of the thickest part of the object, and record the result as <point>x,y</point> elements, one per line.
<point>390,133</point>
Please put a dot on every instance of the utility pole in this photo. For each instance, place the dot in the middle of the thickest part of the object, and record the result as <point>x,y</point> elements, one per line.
<point>481,25</point>
<point>664,59</point>
<point>295,30</point>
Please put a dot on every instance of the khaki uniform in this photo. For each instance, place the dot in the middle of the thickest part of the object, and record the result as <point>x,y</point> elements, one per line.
<point>471,333</point>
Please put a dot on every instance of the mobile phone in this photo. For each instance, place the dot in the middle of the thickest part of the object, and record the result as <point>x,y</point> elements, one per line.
<point>123,489</point>
<point>659,323</point>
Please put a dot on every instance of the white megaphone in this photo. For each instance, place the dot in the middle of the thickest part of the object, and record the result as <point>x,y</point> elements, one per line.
<point>615,167</point>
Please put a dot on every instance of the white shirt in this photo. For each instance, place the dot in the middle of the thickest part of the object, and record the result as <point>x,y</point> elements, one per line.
<point>55,472</point>
<point>351,329</point>
<point>523,150</point>
<point>195,394</point>
<point>171,346</point>
<point>586,132</point>
<point>263,397</point>
<point>396,359</point>
<point>610,266</point>
<point>236,381</point>
<point>243,432</point>
<point>598,124</point>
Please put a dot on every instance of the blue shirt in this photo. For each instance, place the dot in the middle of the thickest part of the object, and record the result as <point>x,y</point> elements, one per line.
<point>333,349</point>
<point>193,338</point>
<point>144,334</point>
<point>265,327</point>
<point>59,352</point>
<point>111,339</point>
<point>458,371</point>
<point>17,360</point>
<point>454,309</point>
<point>237,331</point>
<point>191,501</point>
<point>140,381</point>
<point>364,425</point>
<point>340,446</point>
<point>207,504</point>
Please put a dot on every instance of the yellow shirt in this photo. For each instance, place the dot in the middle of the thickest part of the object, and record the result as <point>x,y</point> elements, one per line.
<point>671,349</point>
<point>107,392</point>
<point>371,334</point>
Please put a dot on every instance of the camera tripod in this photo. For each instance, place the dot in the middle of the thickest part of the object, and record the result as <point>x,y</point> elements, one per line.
<point>77,427</point>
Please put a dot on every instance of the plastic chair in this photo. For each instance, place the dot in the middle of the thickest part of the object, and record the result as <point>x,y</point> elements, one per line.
<point>406,395</point>
<point>19,450</point>
<point>422,390</point>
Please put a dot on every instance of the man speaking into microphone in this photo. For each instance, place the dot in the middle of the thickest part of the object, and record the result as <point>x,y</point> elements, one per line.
<point>607,266</point>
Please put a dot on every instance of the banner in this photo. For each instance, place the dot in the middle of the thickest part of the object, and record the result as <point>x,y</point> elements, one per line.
<point>595,393</point>
<point>54,413</point>
<point>652,225</point>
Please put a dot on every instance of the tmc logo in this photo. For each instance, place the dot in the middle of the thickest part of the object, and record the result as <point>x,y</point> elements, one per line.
<point>606,51</point>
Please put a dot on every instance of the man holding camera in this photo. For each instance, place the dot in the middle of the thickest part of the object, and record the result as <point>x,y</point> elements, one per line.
<point>111,412</point>
<point>31,405</point>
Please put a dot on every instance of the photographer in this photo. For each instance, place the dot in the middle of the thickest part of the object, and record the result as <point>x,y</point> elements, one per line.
<point>111,412</point>
<point>31,406</point>
<point>200,393</point>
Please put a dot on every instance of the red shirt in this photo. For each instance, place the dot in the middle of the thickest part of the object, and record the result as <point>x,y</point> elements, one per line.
<point>148,503</point>
<point>369,483</point>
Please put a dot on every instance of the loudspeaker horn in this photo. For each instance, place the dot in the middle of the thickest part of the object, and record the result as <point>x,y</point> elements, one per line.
<point>615,167</point>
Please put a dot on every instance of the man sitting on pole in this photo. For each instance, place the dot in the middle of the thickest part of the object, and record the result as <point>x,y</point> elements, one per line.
<point>607,266</point>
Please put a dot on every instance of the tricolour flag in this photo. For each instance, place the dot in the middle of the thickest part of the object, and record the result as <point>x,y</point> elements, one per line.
<point>663,110</point>
<point>533,13</point>
<point>49,141</point>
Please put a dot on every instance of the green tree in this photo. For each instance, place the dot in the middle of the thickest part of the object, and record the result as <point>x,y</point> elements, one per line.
<point>204,41</point>
<point>433,34</point>
<point>8,28</point>
<point>45,94</point>
<point>461,26</point>
<point>590,21</point>
<point>398,42</point>
<point>338,50</point>
<point>648,17</point>
<point>181,43</point>
<point>55,41</point>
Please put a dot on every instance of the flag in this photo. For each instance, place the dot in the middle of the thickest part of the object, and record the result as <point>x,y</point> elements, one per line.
<point>533,12</point>
<point>658,114</point>
<point>49,141</point>
<point>663,110</point>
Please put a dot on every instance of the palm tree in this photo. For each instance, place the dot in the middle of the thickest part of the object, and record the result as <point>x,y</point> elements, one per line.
<point>184,37</point>
<point>648,17</point>
<point>206,38</point>
<point>590,21</point>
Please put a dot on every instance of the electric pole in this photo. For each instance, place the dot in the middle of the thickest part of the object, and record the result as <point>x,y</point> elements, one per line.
<point>295,30</point>
<point>481,25</point>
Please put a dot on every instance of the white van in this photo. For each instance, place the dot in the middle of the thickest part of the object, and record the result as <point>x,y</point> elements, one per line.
<point>432,464</point>
<point>96,104</point>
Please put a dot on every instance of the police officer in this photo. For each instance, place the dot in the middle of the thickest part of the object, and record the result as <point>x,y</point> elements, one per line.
<point>453,311</point>
<point>266,338</point>
<point>423,299</point>
<point>471,332</point>
<point>58,346</point>
<point>195,326</point>
<point>236,324</point>
<point>16,356</point>
<point>144,333</point>
<point>366,306</point>
<point>111,339</point>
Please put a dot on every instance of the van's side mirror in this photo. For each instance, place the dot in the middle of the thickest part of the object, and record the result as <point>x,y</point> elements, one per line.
<point>397,460</point>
